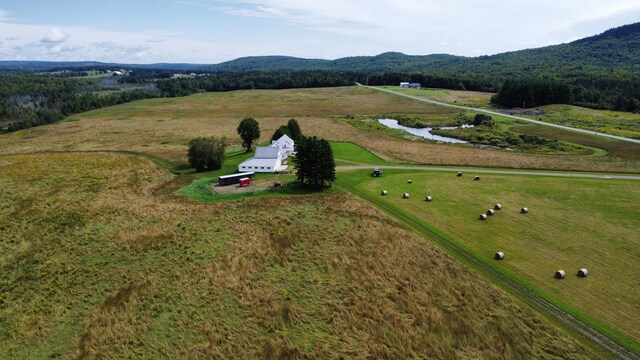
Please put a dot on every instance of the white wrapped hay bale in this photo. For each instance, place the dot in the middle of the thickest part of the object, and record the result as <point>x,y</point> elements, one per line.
<point>524,210</point>
<point>560,274</point>
<point>583,272</point>
<point>499,255</point>
<point>490,212</point>
<point>483,217</point>
<point>405,196</point>
<point>498,207</point>
<point>384,193</point>
<point>428,198</point>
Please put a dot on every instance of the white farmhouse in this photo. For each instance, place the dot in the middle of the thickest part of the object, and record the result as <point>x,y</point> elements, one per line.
<point>269,159</point>
<point>286,144</point>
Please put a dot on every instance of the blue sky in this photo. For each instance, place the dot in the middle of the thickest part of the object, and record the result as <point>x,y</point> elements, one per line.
<point>212,31</point>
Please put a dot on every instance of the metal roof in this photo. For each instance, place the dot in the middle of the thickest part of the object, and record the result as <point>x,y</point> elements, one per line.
<point>260,163</point>
<point>267,152</point>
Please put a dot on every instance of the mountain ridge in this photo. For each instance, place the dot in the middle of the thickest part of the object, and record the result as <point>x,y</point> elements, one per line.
<point>614,51</point>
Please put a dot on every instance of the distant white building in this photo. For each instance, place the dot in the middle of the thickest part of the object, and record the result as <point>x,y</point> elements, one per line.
<point>410,85</point>
<point>269,159</point>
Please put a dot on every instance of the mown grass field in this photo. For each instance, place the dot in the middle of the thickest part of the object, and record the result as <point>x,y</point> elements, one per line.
<point>465,98</point>
<point>610,122</point>
<point>572,223</point>
<point>163,127</point>
<point>97,260</point>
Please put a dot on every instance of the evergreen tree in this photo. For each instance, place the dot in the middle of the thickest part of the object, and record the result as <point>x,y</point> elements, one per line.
<point>316,167</point>
<point>294,129</point>
<point>206,153</point>
<point>249,131</point>
<point>281,131</point>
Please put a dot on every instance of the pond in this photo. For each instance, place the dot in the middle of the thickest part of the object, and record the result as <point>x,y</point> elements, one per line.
<point>424,132</point>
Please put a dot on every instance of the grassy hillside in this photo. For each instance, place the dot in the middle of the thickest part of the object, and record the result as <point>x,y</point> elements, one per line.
<point>99,260</point>
<point>572,223</point>
<point>162,127</point>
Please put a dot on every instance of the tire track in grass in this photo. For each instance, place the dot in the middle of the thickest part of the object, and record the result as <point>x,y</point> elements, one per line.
<point>513,286</point>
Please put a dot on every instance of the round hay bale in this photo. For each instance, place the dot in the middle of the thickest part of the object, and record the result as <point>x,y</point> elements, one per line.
<point>498,207</point>
<point>477,177</point>
<point>459,173</point>
<point>405,196</point>
<point>490,212</point>
<point>499,255</point>
<point>560,274</point>
<point>583,272</point>
<point>409,181</point>
<point>524,210</point>
<point>483,217</point>
<point>428,198</point>
<point>384,193</point>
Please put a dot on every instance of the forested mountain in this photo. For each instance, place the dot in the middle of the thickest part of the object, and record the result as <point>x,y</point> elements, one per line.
<point>55,65</point>
<point>616,51</point>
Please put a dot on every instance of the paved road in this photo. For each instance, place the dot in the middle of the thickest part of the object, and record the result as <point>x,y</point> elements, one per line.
<point>487,171</point>
<point>590,132</point>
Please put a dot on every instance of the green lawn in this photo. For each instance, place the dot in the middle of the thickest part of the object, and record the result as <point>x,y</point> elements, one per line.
<point>572,223</point>
<point>351,154</point>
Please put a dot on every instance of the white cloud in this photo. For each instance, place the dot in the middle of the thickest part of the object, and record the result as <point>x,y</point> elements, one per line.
<point>419,25</point>
<point>322,29</point>
<point>55,35</point>
<point>81,43</point>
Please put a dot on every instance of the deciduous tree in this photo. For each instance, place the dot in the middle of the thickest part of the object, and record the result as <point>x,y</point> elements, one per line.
<point>206,153</point>
<point>249,131</point>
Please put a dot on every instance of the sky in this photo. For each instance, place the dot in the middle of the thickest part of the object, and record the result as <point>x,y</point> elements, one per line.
<point>213,31</point>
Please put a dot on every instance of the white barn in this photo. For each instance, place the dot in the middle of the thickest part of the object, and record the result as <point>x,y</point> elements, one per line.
<point>269,159</point>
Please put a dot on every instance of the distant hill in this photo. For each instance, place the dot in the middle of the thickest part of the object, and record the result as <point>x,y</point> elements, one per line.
<point>615,50</point>
<point>51,65</point>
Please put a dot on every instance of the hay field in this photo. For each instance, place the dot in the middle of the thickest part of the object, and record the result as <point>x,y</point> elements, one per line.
<point>98,261</point>
<point>465,98</point>
<point>162,127</point>
<point>572,223</point>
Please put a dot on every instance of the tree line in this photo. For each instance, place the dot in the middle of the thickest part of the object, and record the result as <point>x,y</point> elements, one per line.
<point>604,93</point>
<point>28,100</point>
<point>254,80</point>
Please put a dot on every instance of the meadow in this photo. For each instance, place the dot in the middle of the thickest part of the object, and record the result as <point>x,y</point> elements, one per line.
<point>465,98</point>
<point>572,223</point>
<point>163,127</point>
<point>98,261</point>
<point>115,249</point>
